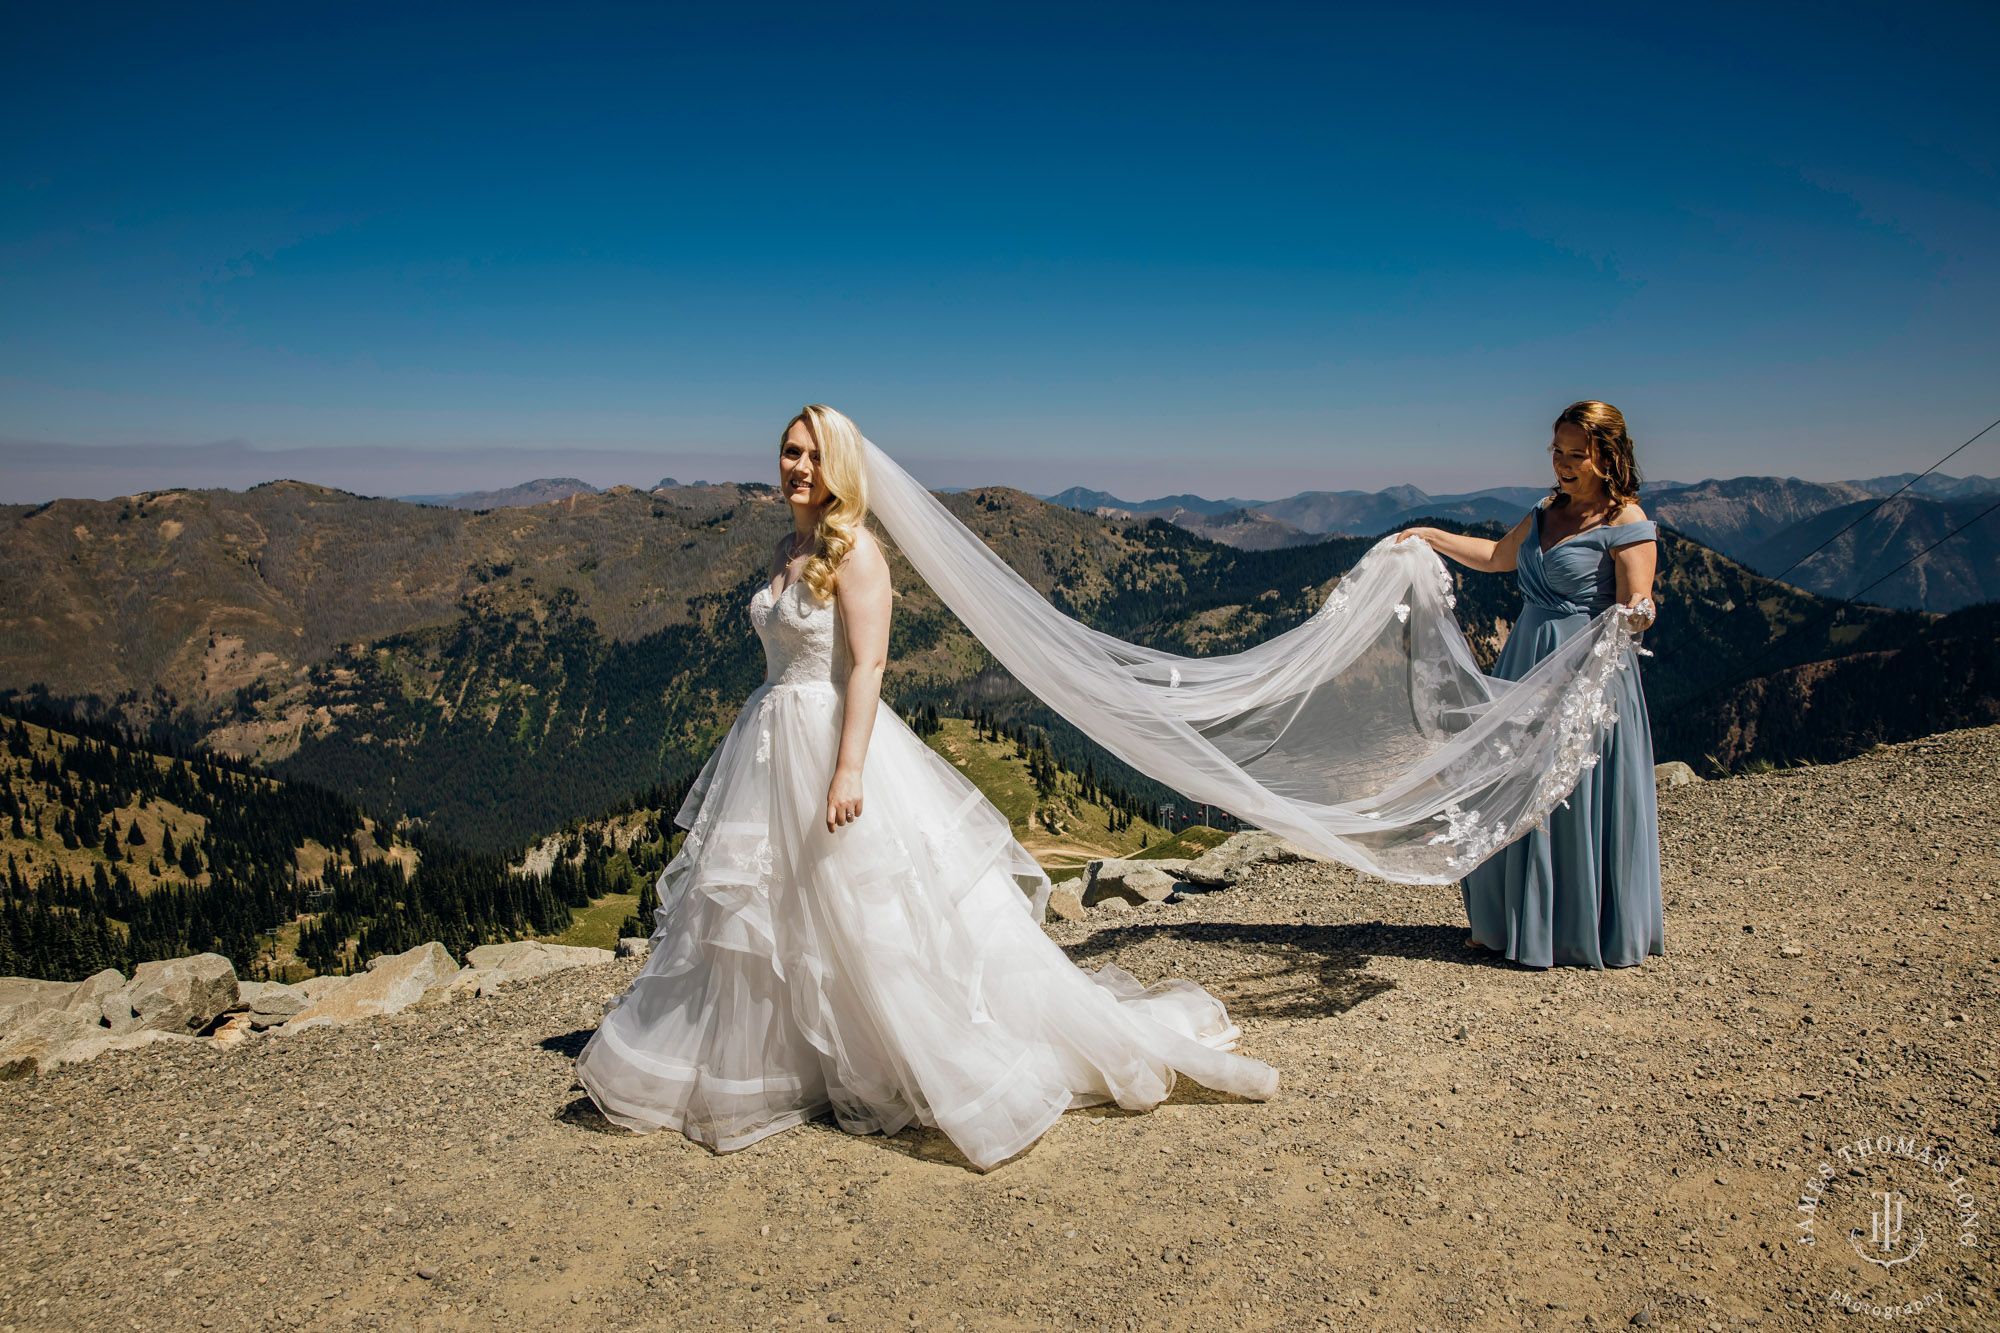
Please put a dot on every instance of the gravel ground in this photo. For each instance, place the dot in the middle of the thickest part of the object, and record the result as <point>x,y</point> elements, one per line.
<point>1460,1144</point>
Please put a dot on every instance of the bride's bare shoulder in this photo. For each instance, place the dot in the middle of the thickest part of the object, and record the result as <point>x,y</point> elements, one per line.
<point>865,566</point>
<point>867,546</point>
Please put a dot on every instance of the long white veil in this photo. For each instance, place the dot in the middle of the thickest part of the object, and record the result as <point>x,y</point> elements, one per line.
<point>1367,734</point>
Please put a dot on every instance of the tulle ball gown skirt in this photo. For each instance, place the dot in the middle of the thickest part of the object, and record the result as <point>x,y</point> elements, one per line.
<point>892,973</point>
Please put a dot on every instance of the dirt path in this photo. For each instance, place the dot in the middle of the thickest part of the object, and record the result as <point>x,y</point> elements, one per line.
<point>1460,1144</point>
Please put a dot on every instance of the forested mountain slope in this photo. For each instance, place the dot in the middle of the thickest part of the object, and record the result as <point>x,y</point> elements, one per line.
<point>1946,676</point>
<point>113,853</point>
<point>1902,539</point>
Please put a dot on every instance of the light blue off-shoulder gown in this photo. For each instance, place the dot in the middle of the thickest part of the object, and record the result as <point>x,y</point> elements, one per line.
<point>1585,892</point>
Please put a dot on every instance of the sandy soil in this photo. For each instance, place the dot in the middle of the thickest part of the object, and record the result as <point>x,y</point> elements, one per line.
<point>1460,1144</point>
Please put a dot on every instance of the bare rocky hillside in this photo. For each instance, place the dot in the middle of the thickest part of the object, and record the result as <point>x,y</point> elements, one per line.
<point>1459,1144</point>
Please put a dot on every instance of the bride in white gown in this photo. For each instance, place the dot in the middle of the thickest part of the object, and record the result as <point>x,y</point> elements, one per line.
<point>887,966</point>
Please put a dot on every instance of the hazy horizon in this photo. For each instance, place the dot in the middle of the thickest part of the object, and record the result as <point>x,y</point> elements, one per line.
<point>33,473</point>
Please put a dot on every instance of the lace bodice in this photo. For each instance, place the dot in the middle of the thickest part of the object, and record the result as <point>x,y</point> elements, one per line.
<point>801,637</point>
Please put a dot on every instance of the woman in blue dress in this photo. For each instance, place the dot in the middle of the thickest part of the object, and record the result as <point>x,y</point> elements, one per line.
<point>1585,892</point>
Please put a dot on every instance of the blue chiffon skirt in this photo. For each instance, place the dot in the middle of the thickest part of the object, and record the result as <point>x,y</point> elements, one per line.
<point>1585,892</point>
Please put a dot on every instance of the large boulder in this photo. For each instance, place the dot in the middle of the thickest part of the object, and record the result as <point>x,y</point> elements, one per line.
<point>532,958</point>
<point>392,984</point>
<point>181,995</point>
<point>1136,882</point>
<point>1674,773</point>
<point>275,1004</point>
<point>90,1047</point>
<point>25,995</point>
<point>465,984</point>
<point>34,1043</point>
<point>316,989</point>
<point>23,998</point>
<point>1220,867</point>
<point>634,946</point>
<point>491,966</point>
<point>89,995</point>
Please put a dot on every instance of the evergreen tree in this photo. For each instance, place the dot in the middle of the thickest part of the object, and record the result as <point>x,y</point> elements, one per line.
<point>641,923</point>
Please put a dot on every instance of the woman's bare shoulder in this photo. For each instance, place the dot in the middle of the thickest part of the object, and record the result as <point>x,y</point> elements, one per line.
<point>868,547</point>
<point>1631,513</point>
<point>864,567</point>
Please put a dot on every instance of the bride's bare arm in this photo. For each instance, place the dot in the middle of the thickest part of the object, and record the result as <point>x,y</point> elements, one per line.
<point>1473,552</point>
<point>862,592</point>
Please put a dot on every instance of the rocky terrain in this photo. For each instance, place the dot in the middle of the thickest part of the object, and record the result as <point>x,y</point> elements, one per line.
<point>1459,1144</point>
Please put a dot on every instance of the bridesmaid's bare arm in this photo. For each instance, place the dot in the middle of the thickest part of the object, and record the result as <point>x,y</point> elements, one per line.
<point>1488,557</point>
<point>1635,564</point>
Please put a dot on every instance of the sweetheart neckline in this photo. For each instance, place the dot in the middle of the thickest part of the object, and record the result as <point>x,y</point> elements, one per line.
<point>1601,527</point>
<point>795,583</point>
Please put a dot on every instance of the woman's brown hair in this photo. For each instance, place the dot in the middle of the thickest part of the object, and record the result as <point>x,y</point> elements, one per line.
<point>1610,445</point>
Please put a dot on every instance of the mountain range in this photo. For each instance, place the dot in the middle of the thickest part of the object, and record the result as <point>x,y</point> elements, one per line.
<point>492,673</point>
<point>540,491</point>
<point>1766,522</point>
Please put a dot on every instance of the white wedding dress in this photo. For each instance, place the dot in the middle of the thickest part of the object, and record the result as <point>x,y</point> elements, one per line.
<point>893,972</point>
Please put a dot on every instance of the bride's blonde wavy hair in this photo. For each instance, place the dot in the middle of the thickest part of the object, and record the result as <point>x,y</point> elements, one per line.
<point>845,470</point>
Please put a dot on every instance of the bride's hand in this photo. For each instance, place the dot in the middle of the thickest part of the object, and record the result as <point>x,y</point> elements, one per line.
<point>843,801</point>
<point>1421,534</point>
<point>1639,615</point>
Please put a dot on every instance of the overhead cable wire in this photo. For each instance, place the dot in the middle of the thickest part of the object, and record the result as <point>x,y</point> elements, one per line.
<point>1858,519</point>
<point>1835,610</point>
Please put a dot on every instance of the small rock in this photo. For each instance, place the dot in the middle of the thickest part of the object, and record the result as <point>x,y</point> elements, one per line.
<point>1066,900</point>
<point>426,1272</point>
<point>1643,1319</point>
<point>1790,951</point>
<point>633,946</point>
<point>1674,774</point>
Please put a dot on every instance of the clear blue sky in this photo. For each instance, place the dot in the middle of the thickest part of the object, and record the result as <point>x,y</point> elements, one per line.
<point>1236,249</point>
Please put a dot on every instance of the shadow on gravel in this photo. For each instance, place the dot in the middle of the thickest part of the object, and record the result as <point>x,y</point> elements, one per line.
<point>1292,971</point>
<point>570,1044</point>
<point>583,1114</point>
